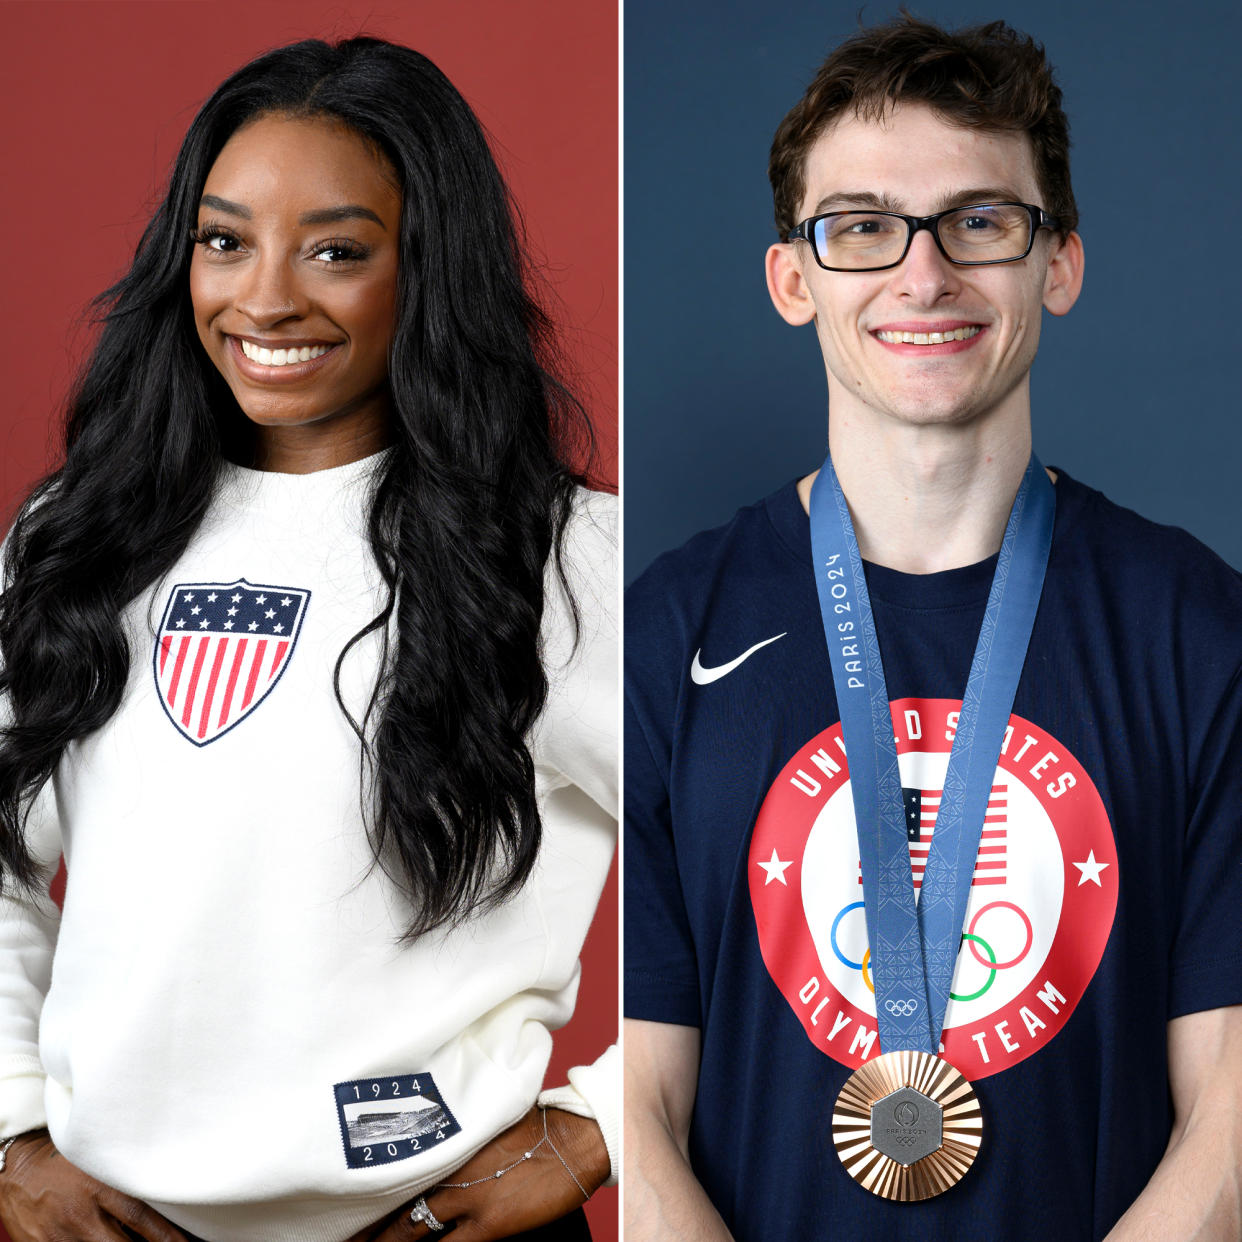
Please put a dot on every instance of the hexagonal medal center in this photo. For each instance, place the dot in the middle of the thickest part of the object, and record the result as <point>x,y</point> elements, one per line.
<point>906,1125</point>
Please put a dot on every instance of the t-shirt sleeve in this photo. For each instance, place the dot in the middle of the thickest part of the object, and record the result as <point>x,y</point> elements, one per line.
<point>661,968</point>
<point>1206,967</point>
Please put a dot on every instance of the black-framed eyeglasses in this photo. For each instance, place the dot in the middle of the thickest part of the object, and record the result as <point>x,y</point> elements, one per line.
<point>870,241</point>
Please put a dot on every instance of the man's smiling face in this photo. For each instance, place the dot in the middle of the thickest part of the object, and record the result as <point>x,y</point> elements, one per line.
<point>916,163</point>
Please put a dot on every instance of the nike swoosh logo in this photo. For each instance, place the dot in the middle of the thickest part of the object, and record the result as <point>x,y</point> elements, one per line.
<point>705,676</point>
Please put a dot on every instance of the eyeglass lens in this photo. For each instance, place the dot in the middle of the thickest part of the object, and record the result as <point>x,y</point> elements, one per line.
<point>863,239</point>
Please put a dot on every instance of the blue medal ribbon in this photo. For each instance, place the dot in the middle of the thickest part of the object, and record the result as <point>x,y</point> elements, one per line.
<point>914,947</point>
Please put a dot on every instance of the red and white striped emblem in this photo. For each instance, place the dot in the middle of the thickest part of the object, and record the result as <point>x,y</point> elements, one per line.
<point>990,861</point>
<point>221,648</point>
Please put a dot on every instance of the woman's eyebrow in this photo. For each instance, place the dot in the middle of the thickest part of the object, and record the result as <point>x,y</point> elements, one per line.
<point>322,215</point>
<point>216,203</point>
<point>336,215</point>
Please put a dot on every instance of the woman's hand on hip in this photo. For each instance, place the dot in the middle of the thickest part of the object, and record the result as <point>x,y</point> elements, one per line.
<point>533,1192</point>
<point>44,1198</point>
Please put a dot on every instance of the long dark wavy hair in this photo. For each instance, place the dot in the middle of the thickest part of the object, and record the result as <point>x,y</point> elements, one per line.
<point>469,509</point>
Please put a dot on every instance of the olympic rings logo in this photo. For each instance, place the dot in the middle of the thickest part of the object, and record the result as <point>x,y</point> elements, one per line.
<point>903,1008</point>
<point>969,936</point>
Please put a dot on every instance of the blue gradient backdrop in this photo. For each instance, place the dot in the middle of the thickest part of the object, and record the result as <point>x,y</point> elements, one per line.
<point>1134,392</point>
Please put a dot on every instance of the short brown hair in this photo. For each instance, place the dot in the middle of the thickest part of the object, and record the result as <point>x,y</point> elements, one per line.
<point>981,77</point>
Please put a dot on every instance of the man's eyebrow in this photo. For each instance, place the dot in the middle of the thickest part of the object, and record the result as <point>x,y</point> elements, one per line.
<point>866,200</point>
<point>844,200</point>
<point>980,194</point>
<point>323,215</point>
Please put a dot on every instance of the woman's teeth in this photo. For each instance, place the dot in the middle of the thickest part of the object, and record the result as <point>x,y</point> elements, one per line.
<point>281,357</point>
<point>928,338</point>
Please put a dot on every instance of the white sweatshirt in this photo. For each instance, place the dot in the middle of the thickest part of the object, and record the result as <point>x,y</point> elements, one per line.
<point>232,1031</point>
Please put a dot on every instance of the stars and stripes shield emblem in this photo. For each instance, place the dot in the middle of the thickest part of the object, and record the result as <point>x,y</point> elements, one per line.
<point>221,649</point>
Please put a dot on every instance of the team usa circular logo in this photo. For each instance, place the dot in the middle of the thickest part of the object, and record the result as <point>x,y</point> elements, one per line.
<point>1042,897</point>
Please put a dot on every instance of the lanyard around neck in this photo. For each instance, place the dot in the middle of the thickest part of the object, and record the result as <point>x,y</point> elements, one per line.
<point>914,948</point>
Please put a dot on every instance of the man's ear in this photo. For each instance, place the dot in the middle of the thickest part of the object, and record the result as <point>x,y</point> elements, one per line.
<point>787,286</point>
<point>1063,281</point>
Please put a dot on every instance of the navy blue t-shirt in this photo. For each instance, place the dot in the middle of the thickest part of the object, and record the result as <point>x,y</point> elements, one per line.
<point>1106,895</point>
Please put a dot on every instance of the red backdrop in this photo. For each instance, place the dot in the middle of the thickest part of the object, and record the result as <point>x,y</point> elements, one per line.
<point>98,94</point>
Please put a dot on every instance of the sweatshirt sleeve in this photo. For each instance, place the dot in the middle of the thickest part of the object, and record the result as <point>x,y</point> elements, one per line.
<point>578,737</point>
<point>595,1091</point>
<point>29,922</point>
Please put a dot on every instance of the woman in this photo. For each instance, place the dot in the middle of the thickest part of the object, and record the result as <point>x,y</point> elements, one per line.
<point>308,664</point>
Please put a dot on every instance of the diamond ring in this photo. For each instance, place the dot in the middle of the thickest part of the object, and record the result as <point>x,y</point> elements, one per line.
<point>421,1214</point>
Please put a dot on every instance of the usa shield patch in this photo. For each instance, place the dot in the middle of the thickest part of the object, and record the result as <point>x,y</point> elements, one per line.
<point>221,649</point>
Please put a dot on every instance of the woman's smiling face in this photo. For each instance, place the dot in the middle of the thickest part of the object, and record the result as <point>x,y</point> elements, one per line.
<point>294,286</point>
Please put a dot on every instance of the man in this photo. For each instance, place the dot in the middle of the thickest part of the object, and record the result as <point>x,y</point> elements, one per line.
<point>926,214</point>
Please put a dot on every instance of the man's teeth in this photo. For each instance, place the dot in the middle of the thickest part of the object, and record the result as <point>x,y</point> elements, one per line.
<point>929,338</point>
<point>281,357</point>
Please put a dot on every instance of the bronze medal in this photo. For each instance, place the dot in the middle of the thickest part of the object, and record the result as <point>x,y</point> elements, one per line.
<point>907,1126</point>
